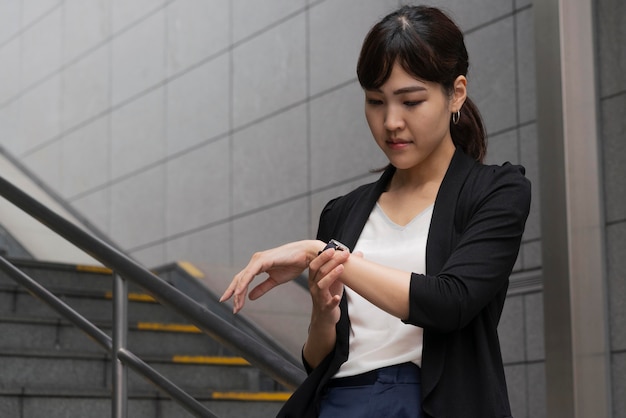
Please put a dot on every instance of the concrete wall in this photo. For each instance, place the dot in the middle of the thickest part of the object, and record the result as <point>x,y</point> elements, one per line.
<point>205,130</point>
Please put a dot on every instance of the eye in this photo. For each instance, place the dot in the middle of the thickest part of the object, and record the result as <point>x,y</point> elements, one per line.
<point>412,103</point>
<point>373,102</point>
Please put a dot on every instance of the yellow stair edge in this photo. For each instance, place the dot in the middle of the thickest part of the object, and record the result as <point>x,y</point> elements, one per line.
<point>252,396</point>
<point>216,360</point>
<point>134,297</point>
<point>93,269</point>
<point>155,326</point>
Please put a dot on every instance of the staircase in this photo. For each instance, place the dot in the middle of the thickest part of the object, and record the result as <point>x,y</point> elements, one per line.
<point>49,368</point>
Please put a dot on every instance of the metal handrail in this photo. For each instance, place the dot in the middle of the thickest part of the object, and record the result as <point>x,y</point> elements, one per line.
<point>100,337</point>
<point>257,354</point>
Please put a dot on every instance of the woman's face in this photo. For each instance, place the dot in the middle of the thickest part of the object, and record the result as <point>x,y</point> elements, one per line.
<point>410,120</point>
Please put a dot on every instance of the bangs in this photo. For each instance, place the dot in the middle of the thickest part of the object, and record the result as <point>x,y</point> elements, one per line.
<point>389,43</point>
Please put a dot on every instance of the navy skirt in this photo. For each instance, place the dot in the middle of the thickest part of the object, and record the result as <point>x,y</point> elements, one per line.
<point>393,391</point>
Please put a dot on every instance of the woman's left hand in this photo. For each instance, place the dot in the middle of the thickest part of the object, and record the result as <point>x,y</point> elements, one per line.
<point>282,263</point>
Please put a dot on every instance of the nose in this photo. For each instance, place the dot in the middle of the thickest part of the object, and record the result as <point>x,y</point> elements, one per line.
<point>393,119</point>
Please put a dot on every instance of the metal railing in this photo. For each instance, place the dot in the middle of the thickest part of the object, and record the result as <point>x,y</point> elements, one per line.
<point>125,269</point>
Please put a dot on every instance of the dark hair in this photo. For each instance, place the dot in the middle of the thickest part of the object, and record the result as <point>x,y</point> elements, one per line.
<point>429,46</point>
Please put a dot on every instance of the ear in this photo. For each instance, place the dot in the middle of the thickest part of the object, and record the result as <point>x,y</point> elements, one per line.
<point>459,94</point>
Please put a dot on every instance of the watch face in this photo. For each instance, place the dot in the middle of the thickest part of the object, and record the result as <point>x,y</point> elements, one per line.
<point>333,243</point>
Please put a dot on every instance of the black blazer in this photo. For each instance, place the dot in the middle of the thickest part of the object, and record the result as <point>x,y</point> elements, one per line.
<point>473,242</point>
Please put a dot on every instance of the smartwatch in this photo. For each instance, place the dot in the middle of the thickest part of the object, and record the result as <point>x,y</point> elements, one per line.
<point>333,243</point>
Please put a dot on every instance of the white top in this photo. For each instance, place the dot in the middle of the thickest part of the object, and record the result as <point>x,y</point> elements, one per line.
<point>378,339</point>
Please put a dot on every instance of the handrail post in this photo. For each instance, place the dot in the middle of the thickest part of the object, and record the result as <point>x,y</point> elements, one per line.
<point>120,333</point>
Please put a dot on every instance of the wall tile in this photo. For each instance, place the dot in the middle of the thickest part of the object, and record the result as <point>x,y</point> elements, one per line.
<point>196,29</point>
<point>333,62</point>
<point>536,391</point>
<point>269,228</point>
<point>86,87</point>
<point>272,152</point>
<point>41,48</point>
<point>525,48</point>
<point>491,81</point>
<point>198,187</point>
<point>531,255</point>
<point>250,16</point>
<point>502,148</point>
<point>40,113</point>
<point>10,71</point>
<point>37,9</point>
<point>85,25</point>
<point>342,145</point>
<point>611,36</point>
<point>517,386</point>
<point>9,19</point>
<point>511,330</point>
<point>138,60</point>
<point>85,158</point>
<point>533,311</point>
<point>126,13</point>
<point>137,208</point>
<point>530,161</point>
<point>616,274</point>
<point>138,133</point>
<point>470,14</point>
<point>613,130</point>
<point>269,71</point>
<point>10,136</point>
<point>208,249</point>
<point>46,164</point>
<point>618,380</point>
<point>198,105</point>
<point>96,207</point>
<point>150,257</point>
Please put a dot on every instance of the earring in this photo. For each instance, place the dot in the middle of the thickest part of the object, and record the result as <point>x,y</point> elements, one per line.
<point>456,116</point>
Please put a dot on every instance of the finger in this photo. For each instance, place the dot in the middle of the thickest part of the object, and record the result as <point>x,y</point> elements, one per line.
<point>262,288</point>
<point>338,258</point>
<point>327,280</point>
<point>321,259</point>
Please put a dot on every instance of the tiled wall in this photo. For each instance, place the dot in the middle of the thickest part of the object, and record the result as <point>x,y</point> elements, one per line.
<point>205,130</point>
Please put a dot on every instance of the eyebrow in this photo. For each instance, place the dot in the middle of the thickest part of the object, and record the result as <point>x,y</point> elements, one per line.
<point>403,90</point>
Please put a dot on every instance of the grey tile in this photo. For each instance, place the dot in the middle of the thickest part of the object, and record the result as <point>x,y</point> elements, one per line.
<point>531,255</point>
<point>270,161</point>
<point>530,161</point>
<point>536,391</point>
<point>611,36</point>
<point>208,249</point>
<point>333,62</point>
<point>533,316</point>
<point>33,10</point>
<point>96,207</point>
<point>86,158</point>
<point>86,87</point>
<point>9,19</point>
<point>517,386</point>
<point>127,13</point>
<point>196,29</point>
<point>527,99</point>
<point>251,16</point>
<point>613,129</point>
<point>138,60</point>
<point>522,3</point>
<point>137,208</point>
<point>502,148</point>
<point>269,228</point>
<point>511,330</point>
<point>41,48</point>
<point>470,14</point>
<point>138,133</point>
<point>198,187</point>
<point>490,79</point>
<point>618,384</point>
<point>10,138</point>
<point>342,145</point>
<point>10,71</point>
<point>46,164</point>
<point>39,113</point>
<point>616,273</point>
<point>269,71</point>
<point>198,105</point>
<point>86,24</point>
<point>150,257</point>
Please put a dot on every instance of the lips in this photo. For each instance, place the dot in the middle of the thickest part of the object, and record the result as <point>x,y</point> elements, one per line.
<point>397,143</point>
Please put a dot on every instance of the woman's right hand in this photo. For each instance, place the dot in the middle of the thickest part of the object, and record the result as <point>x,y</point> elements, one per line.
<point>326,294</point>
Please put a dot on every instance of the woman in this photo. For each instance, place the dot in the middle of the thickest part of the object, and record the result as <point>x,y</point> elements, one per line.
<point>406,324</point>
